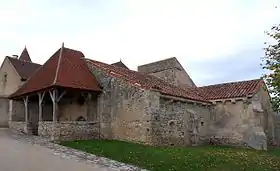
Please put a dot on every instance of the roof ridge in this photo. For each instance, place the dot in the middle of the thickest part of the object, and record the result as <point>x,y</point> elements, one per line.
<point>23,68</point>
<point>9,57</point>
<point>58,64</point>
<point>162,60</point>
<point>223,83</point>
<point>231,89</point>
<point>147,81</point>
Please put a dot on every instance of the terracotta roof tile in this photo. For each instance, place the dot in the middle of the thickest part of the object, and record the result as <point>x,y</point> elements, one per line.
<point>146,81</point>
<point>25,56</point>
<point>25,69</point>
<point>68,71</point>
<point>230,90</point>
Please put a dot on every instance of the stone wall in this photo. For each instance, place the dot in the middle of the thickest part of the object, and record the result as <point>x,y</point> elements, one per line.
<point>4,112</point>
<point>129,113</point>
<point>17,110</point>
<point>71,110</point>
<point>169,70</point>
<point>239,122</point>
<point>268,118</point>
<point>46,129</point>
<point>227,126</point>
<point>47,110</point>
<point>124,110</point>
<point>202,112</point>
<point>18,126</point>
<point>168,125</point>
<point>176,122</point>
<point>69,130</point>
<point>159,65</point>
<point>12,81</point>
<point>277,128</point>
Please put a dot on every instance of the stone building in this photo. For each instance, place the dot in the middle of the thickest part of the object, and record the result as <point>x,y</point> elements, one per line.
<point>14,72</point>
<point>73,97</point>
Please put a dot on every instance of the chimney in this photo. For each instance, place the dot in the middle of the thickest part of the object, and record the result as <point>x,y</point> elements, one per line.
<point>15,56</point>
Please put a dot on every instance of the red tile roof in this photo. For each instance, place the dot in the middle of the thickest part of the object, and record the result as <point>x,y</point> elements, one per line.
<point>25,56</point>
<point>65,68</point>
<point>24,69</point>
<point>146,81</point>
<point>231,90</point>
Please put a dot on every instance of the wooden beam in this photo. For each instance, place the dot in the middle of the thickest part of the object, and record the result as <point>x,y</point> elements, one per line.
<point>41,97</point>
<point>62,94</point>
<point>53,94</point>
<point>55,99</point>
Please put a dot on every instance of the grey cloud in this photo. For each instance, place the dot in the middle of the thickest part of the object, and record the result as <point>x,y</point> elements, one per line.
<point>242,66</point>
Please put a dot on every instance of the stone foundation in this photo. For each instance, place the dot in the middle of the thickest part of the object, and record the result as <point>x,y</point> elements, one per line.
<point>45,129</point>
<point>18,126</point>
<point>69,130</point>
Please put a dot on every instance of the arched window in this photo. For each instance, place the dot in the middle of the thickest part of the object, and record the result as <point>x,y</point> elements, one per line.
<point>80,118</point>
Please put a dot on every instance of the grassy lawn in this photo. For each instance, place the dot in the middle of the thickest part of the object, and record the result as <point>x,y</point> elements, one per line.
<point>208,158</point>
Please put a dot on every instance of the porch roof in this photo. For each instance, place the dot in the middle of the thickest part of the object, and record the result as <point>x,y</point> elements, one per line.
<point>65,68</point>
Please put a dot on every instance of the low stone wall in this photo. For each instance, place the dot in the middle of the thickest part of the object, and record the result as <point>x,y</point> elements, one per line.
<point>45,129</point>
<point>69,130</point>
<point>18,126</point>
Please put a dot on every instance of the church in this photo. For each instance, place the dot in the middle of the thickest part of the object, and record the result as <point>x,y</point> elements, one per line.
<point>72,96</point>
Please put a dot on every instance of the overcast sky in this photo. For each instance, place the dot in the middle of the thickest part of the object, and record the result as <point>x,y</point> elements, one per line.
<point>216,41</point>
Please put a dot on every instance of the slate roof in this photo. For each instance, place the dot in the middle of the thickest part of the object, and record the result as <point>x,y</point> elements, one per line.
<point>65,68</point>
<point>25,69</point>
<point>231,90</point>
<point>146,81</point>
<point>25,56</point>
<point>120,64</point>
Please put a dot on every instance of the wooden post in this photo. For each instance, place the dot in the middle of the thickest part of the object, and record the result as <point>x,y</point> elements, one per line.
<point>88,97</point>
<point>55,99</point>
<point>53,94</point>
<point>89,114</point>
<point>25,100</point>
<point>41,97</point>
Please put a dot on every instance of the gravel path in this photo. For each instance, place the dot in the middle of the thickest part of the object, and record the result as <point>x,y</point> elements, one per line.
<point>18,154</point>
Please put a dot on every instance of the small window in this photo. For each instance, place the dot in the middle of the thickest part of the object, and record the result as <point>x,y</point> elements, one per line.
<point>4,79</point>
<point>202,123</point>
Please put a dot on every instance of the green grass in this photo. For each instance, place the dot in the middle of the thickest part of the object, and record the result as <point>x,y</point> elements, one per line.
<point>210,158</point>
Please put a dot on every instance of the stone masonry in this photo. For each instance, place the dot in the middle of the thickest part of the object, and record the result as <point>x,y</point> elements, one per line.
<point>124,111</point>
<point>132,114</point>
<point>241,122</point>
<point>169,70</point>
<point>69,130</point>
<point>166,111</point>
